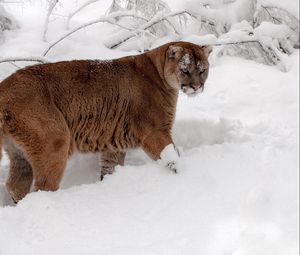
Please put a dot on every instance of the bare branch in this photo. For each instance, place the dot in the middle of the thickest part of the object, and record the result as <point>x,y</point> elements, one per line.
<point>50,10</point>
<point>110,20</point>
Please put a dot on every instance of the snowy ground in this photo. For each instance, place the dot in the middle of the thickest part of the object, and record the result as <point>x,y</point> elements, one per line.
<point>236,193</point>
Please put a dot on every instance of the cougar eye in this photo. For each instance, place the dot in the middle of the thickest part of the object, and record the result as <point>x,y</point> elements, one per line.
<point>201,67</point>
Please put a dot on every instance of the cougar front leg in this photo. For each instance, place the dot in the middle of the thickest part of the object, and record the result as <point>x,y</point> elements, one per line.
<point>159,145</point>
<point>109,160</point>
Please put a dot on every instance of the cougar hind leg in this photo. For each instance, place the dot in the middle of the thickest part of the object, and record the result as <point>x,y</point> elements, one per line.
<point>20,175</point>
<point>42,141</point>
<point>48,157</point>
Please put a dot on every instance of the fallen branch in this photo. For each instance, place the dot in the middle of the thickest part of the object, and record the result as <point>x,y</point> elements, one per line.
<point>23,59</point>
<point>234,42</point>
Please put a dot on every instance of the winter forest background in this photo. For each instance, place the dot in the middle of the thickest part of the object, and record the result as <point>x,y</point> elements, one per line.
<point>238,189</point>
<point>265,30</point>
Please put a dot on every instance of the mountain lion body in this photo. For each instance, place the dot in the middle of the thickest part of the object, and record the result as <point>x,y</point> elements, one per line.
<point>48,111</point>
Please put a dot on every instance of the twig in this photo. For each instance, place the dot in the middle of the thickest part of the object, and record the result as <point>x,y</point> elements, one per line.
<point>50,9</point>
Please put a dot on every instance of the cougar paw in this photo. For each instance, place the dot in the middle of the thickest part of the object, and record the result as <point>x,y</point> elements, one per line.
<point>172,166</point>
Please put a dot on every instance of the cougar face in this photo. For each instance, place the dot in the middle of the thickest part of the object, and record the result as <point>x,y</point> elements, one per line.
<point>187,67</point>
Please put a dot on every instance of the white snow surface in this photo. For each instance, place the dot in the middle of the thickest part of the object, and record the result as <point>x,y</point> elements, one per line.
<point>237,189</point>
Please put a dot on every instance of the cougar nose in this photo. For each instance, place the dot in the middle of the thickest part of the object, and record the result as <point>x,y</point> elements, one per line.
<point>195,87</point>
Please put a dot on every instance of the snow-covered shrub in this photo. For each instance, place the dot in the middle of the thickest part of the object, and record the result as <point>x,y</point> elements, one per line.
<point>254,29</point>
<point>268,43</point>
<point>223,13</point>
<point>275,15</point>
<point>261,30</point>
<point>146,8</point>
<point>7,22</point>
<point>248,47</point>
<point>155,20</point>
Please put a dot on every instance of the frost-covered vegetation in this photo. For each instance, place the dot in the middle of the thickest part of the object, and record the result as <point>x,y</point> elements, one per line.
<point>237,188</point>
<point>260,30</point>
<point>7,22</point>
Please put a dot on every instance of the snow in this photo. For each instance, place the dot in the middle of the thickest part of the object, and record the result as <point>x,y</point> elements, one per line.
<point>237,188</point>
<point>185,62</point>
<point>7,22</point>
<point>201,40</point>
<point>271,30</point>
<point>272,36</point>
<point>291,6</point>
<point>169,155</point>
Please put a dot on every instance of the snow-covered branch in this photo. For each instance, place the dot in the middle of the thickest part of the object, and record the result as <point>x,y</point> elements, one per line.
<point>262,33</point>
<point>23,59</point>
<point>154,21</point>
<point>52,4</point>
<point>222,43</point>
<point>111,20</point>
<point>277,16</point>
<point>158,18</point>
<point>148,8</point>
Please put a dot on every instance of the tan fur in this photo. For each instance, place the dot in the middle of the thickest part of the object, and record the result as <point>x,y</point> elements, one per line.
<point>49,111</point>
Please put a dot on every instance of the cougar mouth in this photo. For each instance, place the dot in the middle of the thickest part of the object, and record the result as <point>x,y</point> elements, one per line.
<point>191,89</point>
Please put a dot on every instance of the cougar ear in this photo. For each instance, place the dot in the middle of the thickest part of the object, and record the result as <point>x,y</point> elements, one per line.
<point>207,49</point>
<point>173,51</point>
